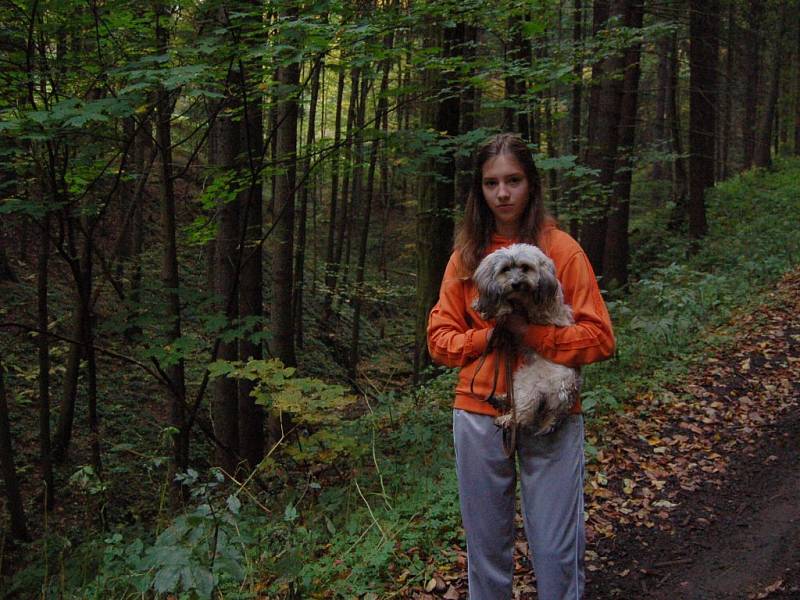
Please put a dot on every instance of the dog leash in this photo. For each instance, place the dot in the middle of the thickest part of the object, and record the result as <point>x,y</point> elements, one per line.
<point>504,344</point>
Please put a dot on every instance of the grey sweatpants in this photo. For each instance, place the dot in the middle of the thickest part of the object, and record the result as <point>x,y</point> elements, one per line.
<point>551,478</point>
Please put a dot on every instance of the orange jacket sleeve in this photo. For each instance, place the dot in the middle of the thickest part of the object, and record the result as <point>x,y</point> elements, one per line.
<point>453,338</point>
<point>591,338</point>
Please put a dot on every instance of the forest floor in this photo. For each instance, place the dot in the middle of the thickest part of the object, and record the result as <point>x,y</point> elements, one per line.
<point>695,492</point>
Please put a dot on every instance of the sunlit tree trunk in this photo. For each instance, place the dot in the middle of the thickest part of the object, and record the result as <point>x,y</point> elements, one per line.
<point>380,111</point>
<point>305,189</point>
<point>330,246</point>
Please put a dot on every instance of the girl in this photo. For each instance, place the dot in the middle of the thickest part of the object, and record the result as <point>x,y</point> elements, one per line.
<point>504,207</point>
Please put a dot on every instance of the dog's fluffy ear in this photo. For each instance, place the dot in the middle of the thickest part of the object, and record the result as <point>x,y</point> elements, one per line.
<point>489,291</point>
<point>547,289</point>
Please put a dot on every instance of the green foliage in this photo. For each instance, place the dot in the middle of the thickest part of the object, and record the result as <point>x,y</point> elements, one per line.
<point>317,408</point>
<point>661,325</point>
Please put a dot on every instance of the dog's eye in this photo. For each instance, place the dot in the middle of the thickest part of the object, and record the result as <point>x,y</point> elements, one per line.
<point>505,269</point>
<point>525,268</point>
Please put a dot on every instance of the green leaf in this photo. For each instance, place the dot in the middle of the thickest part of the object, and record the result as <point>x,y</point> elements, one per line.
<point>234,504</point>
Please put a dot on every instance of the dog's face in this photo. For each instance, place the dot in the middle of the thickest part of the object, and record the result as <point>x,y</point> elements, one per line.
<point>519,275</point>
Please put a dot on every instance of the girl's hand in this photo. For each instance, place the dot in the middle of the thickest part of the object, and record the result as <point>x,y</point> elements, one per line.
<point>516,325</point>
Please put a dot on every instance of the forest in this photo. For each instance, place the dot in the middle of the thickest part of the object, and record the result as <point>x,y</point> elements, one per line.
<point>223,224</point>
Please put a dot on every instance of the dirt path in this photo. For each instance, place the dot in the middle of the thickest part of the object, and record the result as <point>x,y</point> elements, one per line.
<point>696,493</point>
<point>734,532</point>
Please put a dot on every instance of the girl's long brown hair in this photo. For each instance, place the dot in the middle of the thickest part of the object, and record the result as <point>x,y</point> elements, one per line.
<point>476,228</point>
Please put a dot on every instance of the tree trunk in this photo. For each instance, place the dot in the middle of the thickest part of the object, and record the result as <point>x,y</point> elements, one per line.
<point>77,351</point>
<point>679,176</point>
<point>6,272</point>
<point>762,156</point>
<point>226,147</point>
<point>380,111</point>
<point>704,40</point>
<point>725,130</point>
<point>661,141</point>
<point>602,136</point>
<point>43,340</point>
<point>19,527</point>
<point>170,280</point>
<point>617,253</point>
<point>576,107</point>
<point>251,301</point>
<point>518,58</point>
<point>330,268</point>
<point>752,83</point>
<point>434,218</point>
<point>352,115</point>
<point>282,343</point>
<point>797,91</point>
<point>299,264</point>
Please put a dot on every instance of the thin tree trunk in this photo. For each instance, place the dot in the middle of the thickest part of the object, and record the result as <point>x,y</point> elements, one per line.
<point>704,39</point>
<point>797,90</point>
<point>617,252</point>
<point>752,82</point>
<point>679,176</point>
<point>282,342</point>
<point>19,527</point>
<point>576,106</point>
<point>170,279</point>
<point>660,140</point>
<point>352,113</point>
<point>367,211</point>
<point>86,284</point>
<point>6,272</point>
<point>330,275</point>
<point>725,137</point>
<point>762,156</point>
<point>251,300</point>
<point>299,265</point>
<point>43,339</point>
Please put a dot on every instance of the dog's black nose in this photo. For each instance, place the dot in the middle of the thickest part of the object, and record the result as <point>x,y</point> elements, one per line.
<point>516,285</point>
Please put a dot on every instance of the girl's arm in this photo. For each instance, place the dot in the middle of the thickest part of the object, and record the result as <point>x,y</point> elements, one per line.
<point>452,340</point>
<point>591,338</point>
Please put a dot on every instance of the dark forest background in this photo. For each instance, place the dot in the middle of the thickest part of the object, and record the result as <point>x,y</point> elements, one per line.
<point>223,224</point>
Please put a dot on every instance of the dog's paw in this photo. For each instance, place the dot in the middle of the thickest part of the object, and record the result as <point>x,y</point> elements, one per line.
<point>503,421</point>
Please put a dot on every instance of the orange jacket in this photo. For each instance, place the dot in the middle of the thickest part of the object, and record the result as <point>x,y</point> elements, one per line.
<point>457,336</point>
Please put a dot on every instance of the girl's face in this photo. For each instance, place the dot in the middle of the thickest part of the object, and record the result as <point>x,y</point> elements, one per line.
<point>506,192</point>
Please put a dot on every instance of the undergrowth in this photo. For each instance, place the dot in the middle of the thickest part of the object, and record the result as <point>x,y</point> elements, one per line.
<point>381,513</point>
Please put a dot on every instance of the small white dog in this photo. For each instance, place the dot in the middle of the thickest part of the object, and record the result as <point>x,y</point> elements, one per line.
<point>521,279</point>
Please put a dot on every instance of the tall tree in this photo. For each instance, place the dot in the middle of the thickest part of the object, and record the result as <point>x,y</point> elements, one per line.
<point>616,251</point>
<point>226,153</point>
<point>288,77</point>
<point>762,153</point>
<point>434,218</point>
<point>703,59</point>
<point>602,134</point>
<point>170,278</point>
<point>752,80</point>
